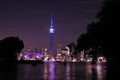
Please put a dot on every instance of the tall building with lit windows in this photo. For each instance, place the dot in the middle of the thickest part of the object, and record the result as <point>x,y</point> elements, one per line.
<point>51,32</point>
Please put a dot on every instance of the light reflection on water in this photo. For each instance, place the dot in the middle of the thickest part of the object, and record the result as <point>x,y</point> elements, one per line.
<point>96,72</point>
<point>55,71</point>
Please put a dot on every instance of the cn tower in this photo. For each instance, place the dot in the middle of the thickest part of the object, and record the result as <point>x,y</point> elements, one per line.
<point>51,32</point>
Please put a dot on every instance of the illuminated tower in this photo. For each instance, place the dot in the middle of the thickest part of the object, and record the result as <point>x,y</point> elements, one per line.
<point>51,31</point>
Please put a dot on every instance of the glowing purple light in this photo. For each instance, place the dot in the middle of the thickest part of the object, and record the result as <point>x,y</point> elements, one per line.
<point>35,55</point>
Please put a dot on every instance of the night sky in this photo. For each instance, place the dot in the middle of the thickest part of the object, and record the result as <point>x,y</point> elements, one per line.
<point>30,20</point>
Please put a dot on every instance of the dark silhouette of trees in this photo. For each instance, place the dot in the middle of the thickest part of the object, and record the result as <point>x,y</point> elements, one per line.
<point>104,32</point>
<point>9,47</point>
<point>109,22</point>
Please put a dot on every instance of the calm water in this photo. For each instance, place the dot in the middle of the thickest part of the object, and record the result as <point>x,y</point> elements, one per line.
<point>53,71</point>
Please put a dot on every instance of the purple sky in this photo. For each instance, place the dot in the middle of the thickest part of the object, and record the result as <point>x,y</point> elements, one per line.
<point>30,20</point>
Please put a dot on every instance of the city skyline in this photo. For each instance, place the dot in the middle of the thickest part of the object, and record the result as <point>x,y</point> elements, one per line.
<point>30,20</point>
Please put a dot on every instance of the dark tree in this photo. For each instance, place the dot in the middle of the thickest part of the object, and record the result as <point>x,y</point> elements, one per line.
<point>109,24</point>
<point>105,33</point>
<point>9,47</point>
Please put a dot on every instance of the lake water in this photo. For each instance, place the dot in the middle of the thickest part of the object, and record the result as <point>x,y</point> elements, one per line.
<point>54,71</point>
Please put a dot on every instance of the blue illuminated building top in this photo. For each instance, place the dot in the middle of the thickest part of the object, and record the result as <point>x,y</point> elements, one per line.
<point>51,30</point>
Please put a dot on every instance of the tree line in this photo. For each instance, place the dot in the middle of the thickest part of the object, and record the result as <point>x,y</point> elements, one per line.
<point>104,34</point>
<point>9,47</point>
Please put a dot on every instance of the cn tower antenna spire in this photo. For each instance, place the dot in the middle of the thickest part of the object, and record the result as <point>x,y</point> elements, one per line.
<point>51,21</point>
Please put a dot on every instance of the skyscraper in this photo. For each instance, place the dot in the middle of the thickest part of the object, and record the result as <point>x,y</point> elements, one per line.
<point>51,32</point>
